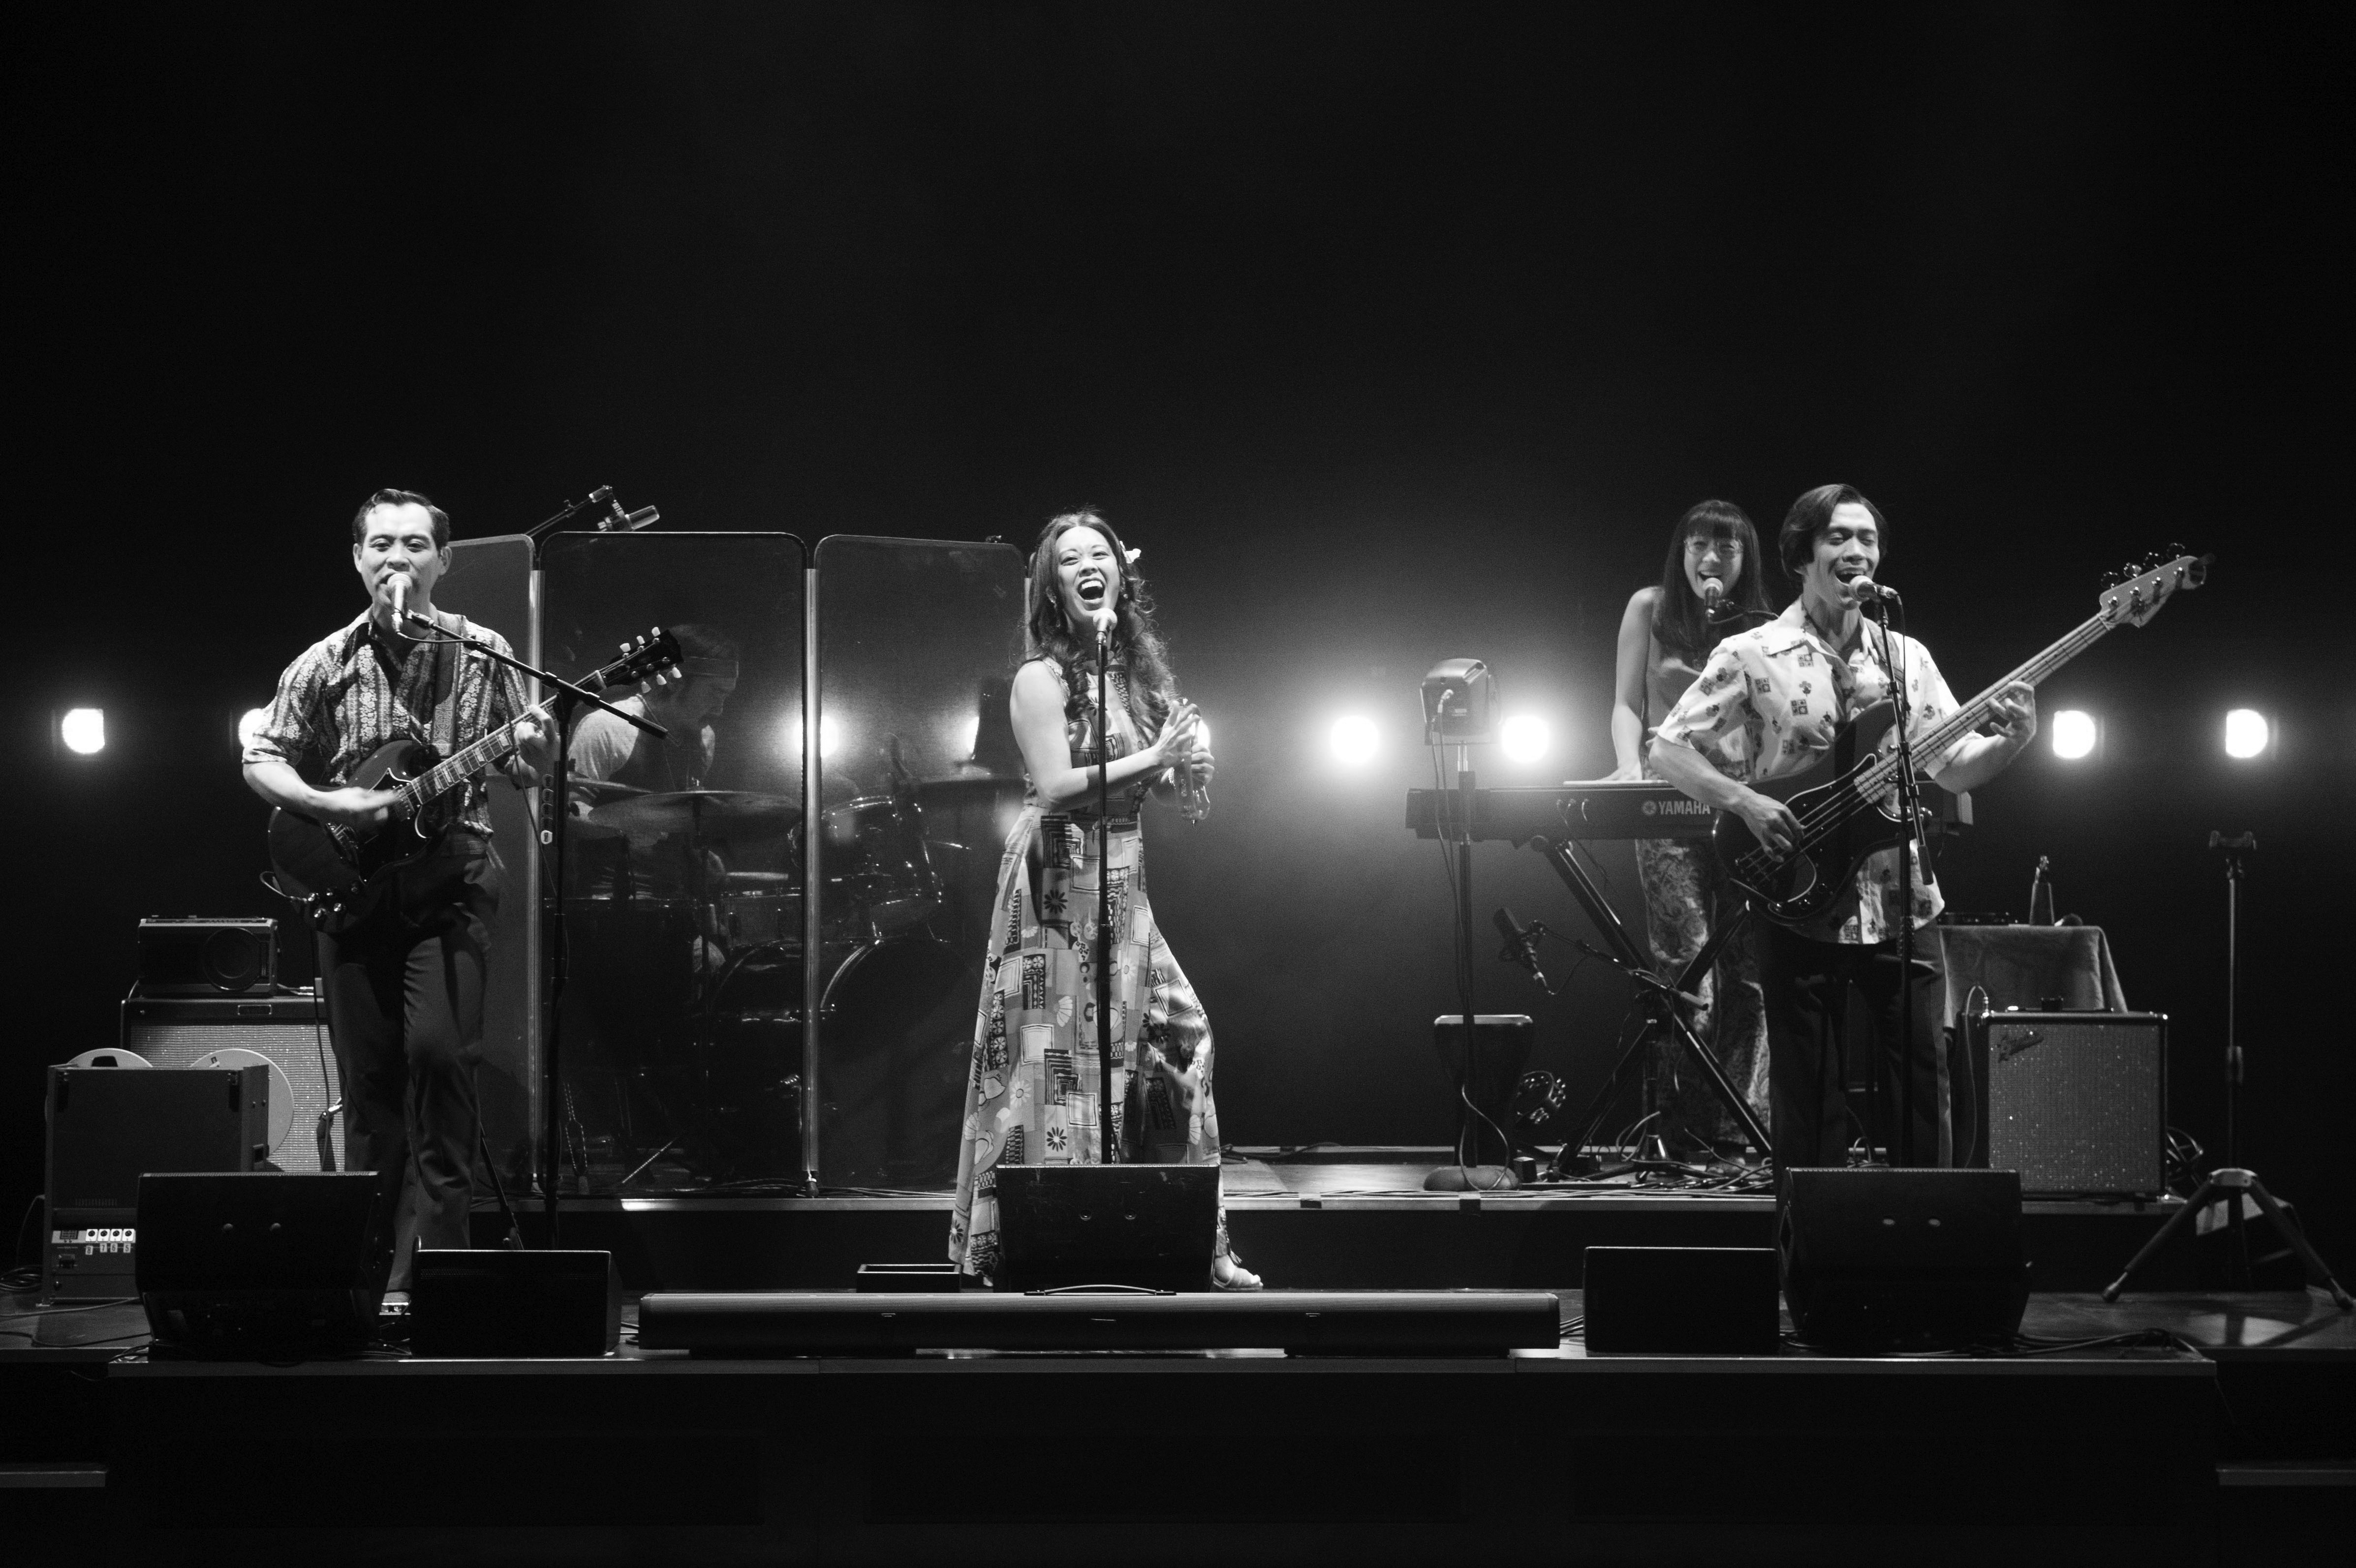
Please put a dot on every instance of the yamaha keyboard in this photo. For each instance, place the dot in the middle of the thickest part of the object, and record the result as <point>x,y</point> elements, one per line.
<point>1639,808</point>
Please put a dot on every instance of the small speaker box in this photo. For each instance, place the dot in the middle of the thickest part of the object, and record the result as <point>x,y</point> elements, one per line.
<point>489,1303</point>
<point>1876,1259</point>
<point>261,1265</point>
<point>2076,1102</point>
<point>199,956</point>
<point>1671,1301</point>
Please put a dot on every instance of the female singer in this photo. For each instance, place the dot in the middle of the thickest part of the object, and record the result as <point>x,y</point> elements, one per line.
<point>1032,1097</point>
<point>1711,584</point>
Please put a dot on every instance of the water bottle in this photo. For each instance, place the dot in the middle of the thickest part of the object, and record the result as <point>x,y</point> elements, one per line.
<point>1194,795</point>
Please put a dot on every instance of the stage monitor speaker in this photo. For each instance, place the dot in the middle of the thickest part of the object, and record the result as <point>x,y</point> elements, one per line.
<point>202,957</point>
<point>1314,1322</point>
<point>1681,1301</point>
<point>107,1127</point>
<point>1876,1259</point>
<point>263,1264</point>
<point>503,1303</point>
<point>1154,1226</point>
<point>290,1032</point>
<point>2076,1102</point>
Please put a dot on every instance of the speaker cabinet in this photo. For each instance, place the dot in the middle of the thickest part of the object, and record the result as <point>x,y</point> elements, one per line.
<point>1876,1259</point>
<point>289,1033</point>
<point>2076,1102</point>
<point>110,1126</point>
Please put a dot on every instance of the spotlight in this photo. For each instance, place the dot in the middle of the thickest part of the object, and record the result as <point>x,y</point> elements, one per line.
<point>84,731</point>
<point>2073,734</point>
<point>1524,737</point>
<point>829,738</point>
<point>1355,739</point>
<point>2247,733</point>
<point>1459,697</point>
<point>249,723</point>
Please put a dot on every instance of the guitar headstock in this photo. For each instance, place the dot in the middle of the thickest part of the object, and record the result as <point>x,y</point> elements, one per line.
<point>2136,591</point>
<point>649,660</point>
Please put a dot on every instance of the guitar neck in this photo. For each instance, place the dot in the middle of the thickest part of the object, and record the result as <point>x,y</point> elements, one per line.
<point>1974,713</point>
<point>461,765</point>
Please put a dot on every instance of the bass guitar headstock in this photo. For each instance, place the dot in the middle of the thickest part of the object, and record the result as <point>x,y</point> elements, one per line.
<point>2136,592</point>
<point>649,660</point>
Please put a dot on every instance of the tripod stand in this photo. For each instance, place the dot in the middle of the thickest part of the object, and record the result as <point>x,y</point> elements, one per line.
<point>2230,1181</point>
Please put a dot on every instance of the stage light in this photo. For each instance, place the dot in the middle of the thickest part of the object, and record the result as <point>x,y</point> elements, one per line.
<point>84,731</point>
<point>1524,737</point>
<point>249,725</point>
<point>2247,733</point>
<point>829,738</point>
<point>1355,739</point>
<point>2073,734</point>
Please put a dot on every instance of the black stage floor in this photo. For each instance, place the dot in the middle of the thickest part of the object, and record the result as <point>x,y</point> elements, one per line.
<point>2236,1446</point>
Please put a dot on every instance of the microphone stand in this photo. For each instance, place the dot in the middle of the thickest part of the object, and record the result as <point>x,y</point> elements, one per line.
<point>1911,806</point>
<point>1104,894</point>
<point>567,698</point>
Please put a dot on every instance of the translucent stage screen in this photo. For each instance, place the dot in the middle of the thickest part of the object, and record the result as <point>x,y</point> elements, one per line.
<point>917,640</point>
<point>680,1054</point>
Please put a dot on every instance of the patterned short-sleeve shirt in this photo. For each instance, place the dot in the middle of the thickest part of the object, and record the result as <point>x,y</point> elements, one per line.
<point>1766,707</point>
<point>345,696</point>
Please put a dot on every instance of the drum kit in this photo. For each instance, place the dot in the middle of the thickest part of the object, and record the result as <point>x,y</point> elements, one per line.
<point>686,931</point>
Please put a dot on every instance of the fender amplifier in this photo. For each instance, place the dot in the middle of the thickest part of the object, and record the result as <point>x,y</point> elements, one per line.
<point>289,1033</point>
<point>2077,1101</point>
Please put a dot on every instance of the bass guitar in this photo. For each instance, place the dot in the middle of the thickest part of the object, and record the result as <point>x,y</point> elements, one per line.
<point>1847,803</point>
<point>336,874</point>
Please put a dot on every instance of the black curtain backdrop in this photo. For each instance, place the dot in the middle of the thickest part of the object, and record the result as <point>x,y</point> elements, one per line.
<point>1391,333</point>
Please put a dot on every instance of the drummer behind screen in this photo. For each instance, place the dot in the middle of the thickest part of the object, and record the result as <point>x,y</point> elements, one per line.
<point>607,751</point>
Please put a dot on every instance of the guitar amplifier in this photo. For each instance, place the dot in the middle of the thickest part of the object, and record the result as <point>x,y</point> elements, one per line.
<point>108,1126</point>
<point>206,957</point>
<point>2075,1102</point>
<point>289,1033</point>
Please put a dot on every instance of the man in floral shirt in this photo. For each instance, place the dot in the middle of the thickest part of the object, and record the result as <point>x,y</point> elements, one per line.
<point>1767,707</point>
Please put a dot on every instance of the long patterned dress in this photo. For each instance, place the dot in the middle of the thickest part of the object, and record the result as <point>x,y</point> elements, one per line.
<point>1033,1096</point>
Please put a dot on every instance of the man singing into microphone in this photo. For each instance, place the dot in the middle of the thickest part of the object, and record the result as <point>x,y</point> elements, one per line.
<point>405,984</point>
<point>1766,707</point>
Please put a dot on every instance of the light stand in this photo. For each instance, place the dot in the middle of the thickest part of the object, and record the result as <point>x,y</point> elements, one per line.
<point>2232,1180</point>
<point>1459,701</point>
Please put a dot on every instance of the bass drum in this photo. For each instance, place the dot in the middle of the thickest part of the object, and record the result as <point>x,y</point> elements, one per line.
<point>894,1049</point>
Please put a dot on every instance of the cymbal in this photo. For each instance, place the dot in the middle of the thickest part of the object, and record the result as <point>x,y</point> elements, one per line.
<point>752,880</point>
<point>717,812</point>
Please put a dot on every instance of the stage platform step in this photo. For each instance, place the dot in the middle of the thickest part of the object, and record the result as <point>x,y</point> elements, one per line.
<point>1332,1219</point>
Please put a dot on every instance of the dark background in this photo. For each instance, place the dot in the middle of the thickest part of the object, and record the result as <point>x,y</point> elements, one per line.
<point>1392,334</point>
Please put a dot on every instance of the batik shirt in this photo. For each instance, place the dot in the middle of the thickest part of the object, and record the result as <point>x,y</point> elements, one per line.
<point>344,696</point>
<point>1766,707</point>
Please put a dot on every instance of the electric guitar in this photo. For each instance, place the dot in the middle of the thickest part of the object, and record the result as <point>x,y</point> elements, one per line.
<point>335,873</point>
<point>1847,803</point>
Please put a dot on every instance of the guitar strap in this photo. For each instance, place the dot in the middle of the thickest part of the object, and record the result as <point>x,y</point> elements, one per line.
<point>447,671</point>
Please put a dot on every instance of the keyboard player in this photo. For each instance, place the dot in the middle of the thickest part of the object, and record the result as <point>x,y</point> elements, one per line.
<point>1712,584</point>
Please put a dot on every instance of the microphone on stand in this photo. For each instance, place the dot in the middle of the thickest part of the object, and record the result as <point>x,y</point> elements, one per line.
<point>1865,590</point>
<point>396,593</point>
<point>1105,620</point>
<point>622,522</point>
<point>1521,945</point>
